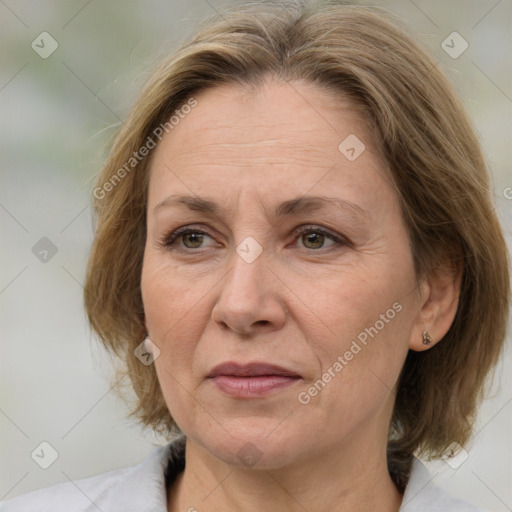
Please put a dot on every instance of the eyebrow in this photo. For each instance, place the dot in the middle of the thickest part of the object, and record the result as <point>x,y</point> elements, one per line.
<point>301,204</point>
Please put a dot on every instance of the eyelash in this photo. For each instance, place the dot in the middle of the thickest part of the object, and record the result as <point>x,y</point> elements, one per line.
<point>169,240</point>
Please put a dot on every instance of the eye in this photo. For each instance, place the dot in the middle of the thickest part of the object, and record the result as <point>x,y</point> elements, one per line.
<point>307,237</point>
<point>189,238</point>
<point>314,237</point>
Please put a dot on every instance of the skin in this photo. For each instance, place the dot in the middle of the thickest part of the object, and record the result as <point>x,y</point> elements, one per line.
<point>299,304</point>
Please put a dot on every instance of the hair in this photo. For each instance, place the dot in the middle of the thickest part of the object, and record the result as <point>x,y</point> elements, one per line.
<point>436,166</point>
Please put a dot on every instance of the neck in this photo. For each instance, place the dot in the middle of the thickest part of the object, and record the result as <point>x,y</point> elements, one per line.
<point>336,480</point>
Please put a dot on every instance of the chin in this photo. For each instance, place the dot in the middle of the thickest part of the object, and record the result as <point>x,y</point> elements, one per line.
<point>253,443</point>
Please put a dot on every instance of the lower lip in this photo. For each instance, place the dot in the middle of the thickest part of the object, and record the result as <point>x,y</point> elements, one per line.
<point>252,387</point>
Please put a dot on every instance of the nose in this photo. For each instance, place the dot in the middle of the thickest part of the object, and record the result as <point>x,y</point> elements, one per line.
<point>251,302</point>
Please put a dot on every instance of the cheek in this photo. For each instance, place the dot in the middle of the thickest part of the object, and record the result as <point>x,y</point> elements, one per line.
<point>358,375</point>
<point>170,301</point>
<point>366,321</point>
<point>172,318</point>
<point>361,299</point>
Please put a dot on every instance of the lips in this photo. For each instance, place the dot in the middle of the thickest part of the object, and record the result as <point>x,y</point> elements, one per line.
<point>232,369</point>
<point>253,380</point>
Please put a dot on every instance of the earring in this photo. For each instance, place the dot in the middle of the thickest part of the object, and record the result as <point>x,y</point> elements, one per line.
<point>147,343</point>
<point>427,339</point>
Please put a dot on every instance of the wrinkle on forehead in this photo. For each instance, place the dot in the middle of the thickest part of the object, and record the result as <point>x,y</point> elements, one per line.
<point>279,125</point>
<point>268,107</point>
<point>283,140</point>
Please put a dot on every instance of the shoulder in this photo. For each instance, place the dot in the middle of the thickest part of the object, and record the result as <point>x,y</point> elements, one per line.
<point>80,493</point>
<point>141,487</point>
<point>422,495</point>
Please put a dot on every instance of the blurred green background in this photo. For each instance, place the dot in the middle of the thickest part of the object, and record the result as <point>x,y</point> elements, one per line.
<point>57,115</point>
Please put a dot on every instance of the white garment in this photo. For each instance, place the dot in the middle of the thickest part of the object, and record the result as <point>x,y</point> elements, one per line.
<point>142,488</point>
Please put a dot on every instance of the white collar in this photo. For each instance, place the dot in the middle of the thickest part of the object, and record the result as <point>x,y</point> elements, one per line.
<point>421,495</point>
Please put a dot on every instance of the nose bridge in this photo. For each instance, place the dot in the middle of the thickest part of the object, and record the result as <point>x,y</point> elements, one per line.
<point>247,299</point>
<point>248,258</point>
<point>246,281</point>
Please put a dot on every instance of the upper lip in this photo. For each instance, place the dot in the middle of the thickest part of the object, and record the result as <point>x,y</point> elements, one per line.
<point>250,370</point>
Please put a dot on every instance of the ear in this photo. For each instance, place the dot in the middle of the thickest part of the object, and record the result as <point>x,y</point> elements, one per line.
<point>438,301</point>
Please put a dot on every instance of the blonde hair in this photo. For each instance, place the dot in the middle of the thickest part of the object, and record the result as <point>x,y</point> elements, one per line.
<point>436,166</point>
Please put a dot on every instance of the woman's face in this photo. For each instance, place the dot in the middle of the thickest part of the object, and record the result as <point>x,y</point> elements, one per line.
<point>295,256</point>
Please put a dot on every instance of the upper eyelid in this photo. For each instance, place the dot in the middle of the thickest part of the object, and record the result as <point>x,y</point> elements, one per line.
<point>338,238</point>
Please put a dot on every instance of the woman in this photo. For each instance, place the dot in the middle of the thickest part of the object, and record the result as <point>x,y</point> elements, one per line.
<point>298,260</point>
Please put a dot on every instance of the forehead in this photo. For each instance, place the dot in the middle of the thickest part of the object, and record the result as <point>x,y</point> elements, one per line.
<point>277,134</point>
<point>281,116</point>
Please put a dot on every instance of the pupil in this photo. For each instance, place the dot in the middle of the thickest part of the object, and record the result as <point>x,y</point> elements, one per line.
<point>193,239</point>
<point>314,239</point>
